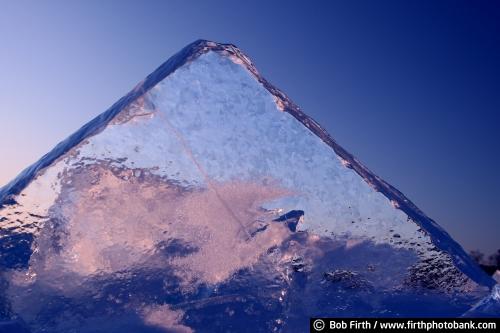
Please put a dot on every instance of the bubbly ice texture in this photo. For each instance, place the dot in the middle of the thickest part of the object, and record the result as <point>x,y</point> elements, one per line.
<point>168,206</point>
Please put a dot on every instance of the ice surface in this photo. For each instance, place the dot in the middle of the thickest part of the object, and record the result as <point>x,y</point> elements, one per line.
<point>207,196</point>
<point>487,307</point>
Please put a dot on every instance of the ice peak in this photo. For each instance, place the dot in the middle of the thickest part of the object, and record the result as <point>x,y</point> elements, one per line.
<point>291,116</point>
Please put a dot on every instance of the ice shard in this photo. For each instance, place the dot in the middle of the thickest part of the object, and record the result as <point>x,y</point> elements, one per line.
<point>206,198</point>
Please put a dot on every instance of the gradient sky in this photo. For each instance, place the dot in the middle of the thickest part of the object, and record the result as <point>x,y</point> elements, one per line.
<point>412,88</point>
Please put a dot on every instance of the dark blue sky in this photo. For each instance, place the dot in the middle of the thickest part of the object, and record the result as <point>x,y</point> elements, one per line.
<point>412,88</point>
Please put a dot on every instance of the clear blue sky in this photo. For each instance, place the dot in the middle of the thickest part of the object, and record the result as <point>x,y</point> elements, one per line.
<point>412,88</point>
